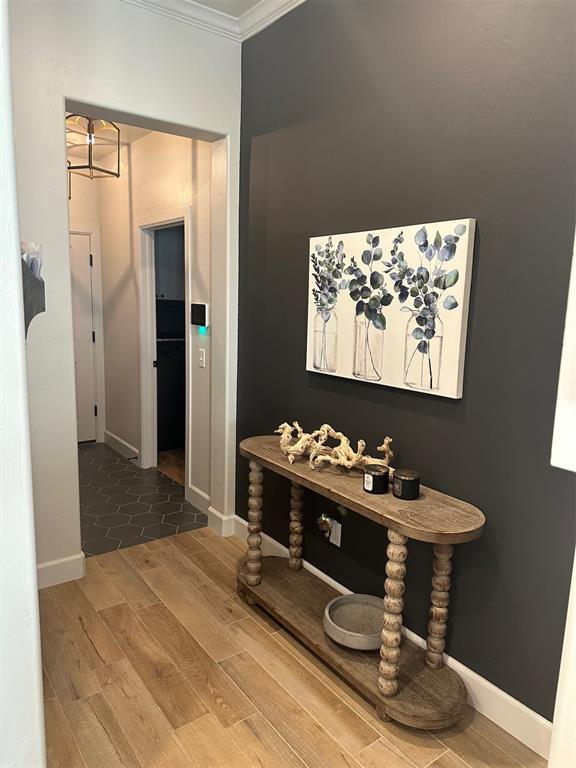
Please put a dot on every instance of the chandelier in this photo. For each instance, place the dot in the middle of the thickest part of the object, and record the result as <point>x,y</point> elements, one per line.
<point>92,147</point>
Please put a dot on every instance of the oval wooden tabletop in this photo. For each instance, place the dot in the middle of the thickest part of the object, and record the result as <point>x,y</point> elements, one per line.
<point>434,517</point>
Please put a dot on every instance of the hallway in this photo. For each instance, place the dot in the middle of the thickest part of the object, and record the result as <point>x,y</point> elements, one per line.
<point>122,505</point>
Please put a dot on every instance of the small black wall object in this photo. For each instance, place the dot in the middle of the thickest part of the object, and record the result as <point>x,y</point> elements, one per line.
<point>199,315</point>
<point>375,478</point>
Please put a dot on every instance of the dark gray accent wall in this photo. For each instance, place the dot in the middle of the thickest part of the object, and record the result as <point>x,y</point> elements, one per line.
<point>363,115</point>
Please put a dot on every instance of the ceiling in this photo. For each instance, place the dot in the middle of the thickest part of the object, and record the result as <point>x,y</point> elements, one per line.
<point>232,7</point>
<point>129,133</point>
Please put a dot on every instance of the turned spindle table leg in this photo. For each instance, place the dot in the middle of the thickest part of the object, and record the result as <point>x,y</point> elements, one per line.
<point>393,605</point>
<point>439,598</point>
<point>254,554</point>
<point>296,527</point>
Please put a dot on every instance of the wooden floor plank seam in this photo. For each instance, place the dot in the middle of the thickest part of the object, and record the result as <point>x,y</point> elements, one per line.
<point>133,760</point>
<point>59,705</point>
<point>360,754</point>
<point>449,753</point>
<point>277,733</point>
<point>270,724</point>
<point>288,745</point>
<point>498,746</point>
<point>52,691</point>
<point>311,714</point>
<point>192,663</point>
<point>290,702</point>
<point>436,759</point>
<point>483,738</point>
<point>73,735</point>
<point>334,693</point>
<point>341,699</point>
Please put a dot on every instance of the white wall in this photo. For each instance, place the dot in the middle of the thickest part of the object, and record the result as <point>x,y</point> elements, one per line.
<point>84,204</point>
<point>125,58</point>
<point>563,746</point>
<point>21,716</point>
<point>563,450</point>
<point>120,306</point>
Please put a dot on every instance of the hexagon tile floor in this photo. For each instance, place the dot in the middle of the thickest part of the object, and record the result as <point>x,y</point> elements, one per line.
<point>122,505</point>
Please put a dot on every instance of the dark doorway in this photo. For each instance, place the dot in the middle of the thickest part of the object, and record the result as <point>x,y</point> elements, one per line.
<point>170,339</point>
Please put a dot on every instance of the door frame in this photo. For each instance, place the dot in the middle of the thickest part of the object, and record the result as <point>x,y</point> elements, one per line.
<point>98,319</point>
<point>145,227</point>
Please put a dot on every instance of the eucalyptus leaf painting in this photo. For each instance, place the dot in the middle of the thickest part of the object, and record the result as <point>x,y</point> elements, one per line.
<point>390,306</point>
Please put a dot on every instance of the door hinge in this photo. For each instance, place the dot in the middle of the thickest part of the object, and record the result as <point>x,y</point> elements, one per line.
<point>95,410</point>
<point>91,261</point>
<point>93,337</point>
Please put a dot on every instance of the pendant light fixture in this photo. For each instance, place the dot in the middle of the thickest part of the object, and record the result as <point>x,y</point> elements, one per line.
<point>92,146</point>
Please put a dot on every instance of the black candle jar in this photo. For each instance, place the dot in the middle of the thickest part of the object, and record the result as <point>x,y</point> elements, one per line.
<point>406,484</point>
<point>375,478</point>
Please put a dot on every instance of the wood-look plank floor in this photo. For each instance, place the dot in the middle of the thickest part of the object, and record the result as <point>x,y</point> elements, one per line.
<point>171,463</point>
<point>152,661</point>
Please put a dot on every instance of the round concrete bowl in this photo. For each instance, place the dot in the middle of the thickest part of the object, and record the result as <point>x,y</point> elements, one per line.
<point>355,621</point>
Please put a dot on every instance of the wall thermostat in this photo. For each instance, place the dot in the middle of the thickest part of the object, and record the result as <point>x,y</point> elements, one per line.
<point>199,315</point>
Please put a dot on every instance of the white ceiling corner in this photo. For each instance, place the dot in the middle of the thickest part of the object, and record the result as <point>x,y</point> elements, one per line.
<point>263,14</point>
<point>239,28</point>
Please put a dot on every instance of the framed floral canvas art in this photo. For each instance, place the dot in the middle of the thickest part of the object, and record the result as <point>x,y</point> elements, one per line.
<point>390,306</point>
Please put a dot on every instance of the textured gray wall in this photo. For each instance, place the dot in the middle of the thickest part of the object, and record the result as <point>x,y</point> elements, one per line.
<point>363,115</point>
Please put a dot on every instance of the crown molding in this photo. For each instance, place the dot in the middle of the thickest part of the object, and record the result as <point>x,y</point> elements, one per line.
<point>263,14</point>
<point>194,14</point>
<point>251,22</point>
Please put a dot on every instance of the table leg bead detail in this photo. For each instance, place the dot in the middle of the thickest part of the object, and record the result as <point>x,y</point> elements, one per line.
<point>296,527</point>
<point>439,598</point>
<point>389,667</point>
<point>254,554</point>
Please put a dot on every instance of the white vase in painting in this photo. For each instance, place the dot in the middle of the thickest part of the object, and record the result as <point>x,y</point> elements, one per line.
<point>423,355</point>
<point>368,349</point>
<point>325,340</point>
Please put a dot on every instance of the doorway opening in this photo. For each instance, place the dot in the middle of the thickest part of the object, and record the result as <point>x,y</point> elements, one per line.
<point>170,283</point>
<point>137,261</point>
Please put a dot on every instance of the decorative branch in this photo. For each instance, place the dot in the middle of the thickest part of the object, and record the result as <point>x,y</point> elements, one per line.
<point>314,446</point>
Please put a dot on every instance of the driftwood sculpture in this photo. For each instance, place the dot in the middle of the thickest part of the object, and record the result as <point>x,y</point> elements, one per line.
<point>314,445</point>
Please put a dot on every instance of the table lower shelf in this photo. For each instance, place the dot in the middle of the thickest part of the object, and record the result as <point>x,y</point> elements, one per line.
<point>426,698</point>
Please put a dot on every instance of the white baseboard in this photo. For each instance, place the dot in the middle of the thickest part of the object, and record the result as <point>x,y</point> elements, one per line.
<point>524,724</point>
<point>198,498</point>
<point>119,445</point>
<point>58,571</point>
<point>224,526</point>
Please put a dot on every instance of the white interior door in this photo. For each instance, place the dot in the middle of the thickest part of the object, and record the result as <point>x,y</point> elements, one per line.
<point>83,320</point>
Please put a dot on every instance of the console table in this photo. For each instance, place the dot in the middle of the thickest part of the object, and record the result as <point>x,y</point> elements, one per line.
<point>404,682</point>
